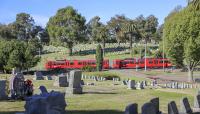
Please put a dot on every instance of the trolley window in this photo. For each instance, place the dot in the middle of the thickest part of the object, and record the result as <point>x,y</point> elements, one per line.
<point>150,62</point>
<point>71,63</point>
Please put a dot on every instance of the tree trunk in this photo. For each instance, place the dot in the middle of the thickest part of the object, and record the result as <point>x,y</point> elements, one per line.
<point>190,75</point>
<point>70,46</point>
<point>131,41</point>
<point>119,43</point>
<point>104,45</point>
<point>70,51</point>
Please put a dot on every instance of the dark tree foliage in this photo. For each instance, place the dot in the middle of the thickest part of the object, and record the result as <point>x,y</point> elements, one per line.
<point>99,58</point>
<point>18,54</point>
<point>66,28</point>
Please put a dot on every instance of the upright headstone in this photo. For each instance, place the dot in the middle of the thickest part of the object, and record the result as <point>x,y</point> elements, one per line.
<point>138,86</point>
<point>142,85</point>
<point>17,85</point>
<point>49,77</point>
<point>155,102</point>
<point>124,82</point>
<point>131,84</point>
<point>74,83</point>
<point>148,108</point>
<point>43,89</point>
<point>185,106</point>
<point>131,109</point>
<point>38,76</point>
<point>172,108</point>
<point>197,101</point>
<point>3,91</point>
<point>82,82</point>
<point>61,81</point>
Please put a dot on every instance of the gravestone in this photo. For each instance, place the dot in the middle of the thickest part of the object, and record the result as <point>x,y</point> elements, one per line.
<point>38,76</point>
<point>197,101</point>
<point>155,102</point>
<point>138,86</point>
<point>131,109</point>
<point>49,77</point>
<point>142,85</point>
<point>82,82</point>
<point>43,89</point>
<point>3,91</point>
<point>95,78</point>
<point>17,85</point>
<point>15,71</point>
<point>197,80</point>
<point>124,82</point>
<point>61,81</point>
<point>148,108</point>
<point>131,84</point>
<point>172,108</point>
<point>46,103</point>
<point>185,106</point>
<point>74,83</point>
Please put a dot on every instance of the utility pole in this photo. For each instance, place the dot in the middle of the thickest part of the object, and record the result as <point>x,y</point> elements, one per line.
<point>163,54</point>
<point>145,61</point>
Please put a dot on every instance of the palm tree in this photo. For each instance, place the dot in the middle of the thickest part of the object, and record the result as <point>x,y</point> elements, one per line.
<point>102,36</point>
<point>129,29</point>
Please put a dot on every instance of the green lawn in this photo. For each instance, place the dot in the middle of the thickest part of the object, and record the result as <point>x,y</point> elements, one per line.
<point>105,98</point>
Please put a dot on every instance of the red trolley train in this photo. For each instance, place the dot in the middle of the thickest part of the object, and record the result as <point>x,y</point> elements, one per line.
<point>116,64</point>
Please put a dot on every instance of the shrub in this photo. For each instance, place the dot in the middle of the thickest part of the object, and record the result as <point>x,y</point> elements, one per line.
<point>88,68</point>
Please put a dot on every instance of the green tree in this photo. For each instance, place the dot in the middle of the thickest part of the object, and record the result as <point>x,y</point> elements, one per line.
<point>195,3</point>
<point>182,35</point>
<point>115,24</point>
<point>67,26</point>
<point>148,31</point>
<point>99,58</point>
<point>102,36</point>
<point>5,32</point>
<point>18,54</point>
<point>130,30</point>
<point>23,26</point>
<point>92,28</point>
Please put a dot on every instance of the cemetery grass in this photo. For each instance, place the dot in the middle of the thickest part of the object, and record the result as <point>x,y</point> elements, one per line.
<point>105,98</point>
<point>122,76</point>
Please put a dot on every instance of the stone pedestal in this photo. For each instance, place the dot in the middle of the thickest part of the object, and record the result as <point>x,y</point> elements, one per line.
<point>74,83</point>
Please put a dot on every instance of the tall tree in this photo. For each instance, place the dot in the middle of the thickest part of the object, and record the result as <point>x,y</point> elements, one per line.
<point>102,36</point>
<point>67,26</point>
<point>92,28</point>
<point>115,24</point>
<point>99,58</point>
<point>18,54</point>
<point>23,26</point>
<point>182,35</point>
<point>5,32</point>
<point>130,30</point>
<point>149,30</point>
